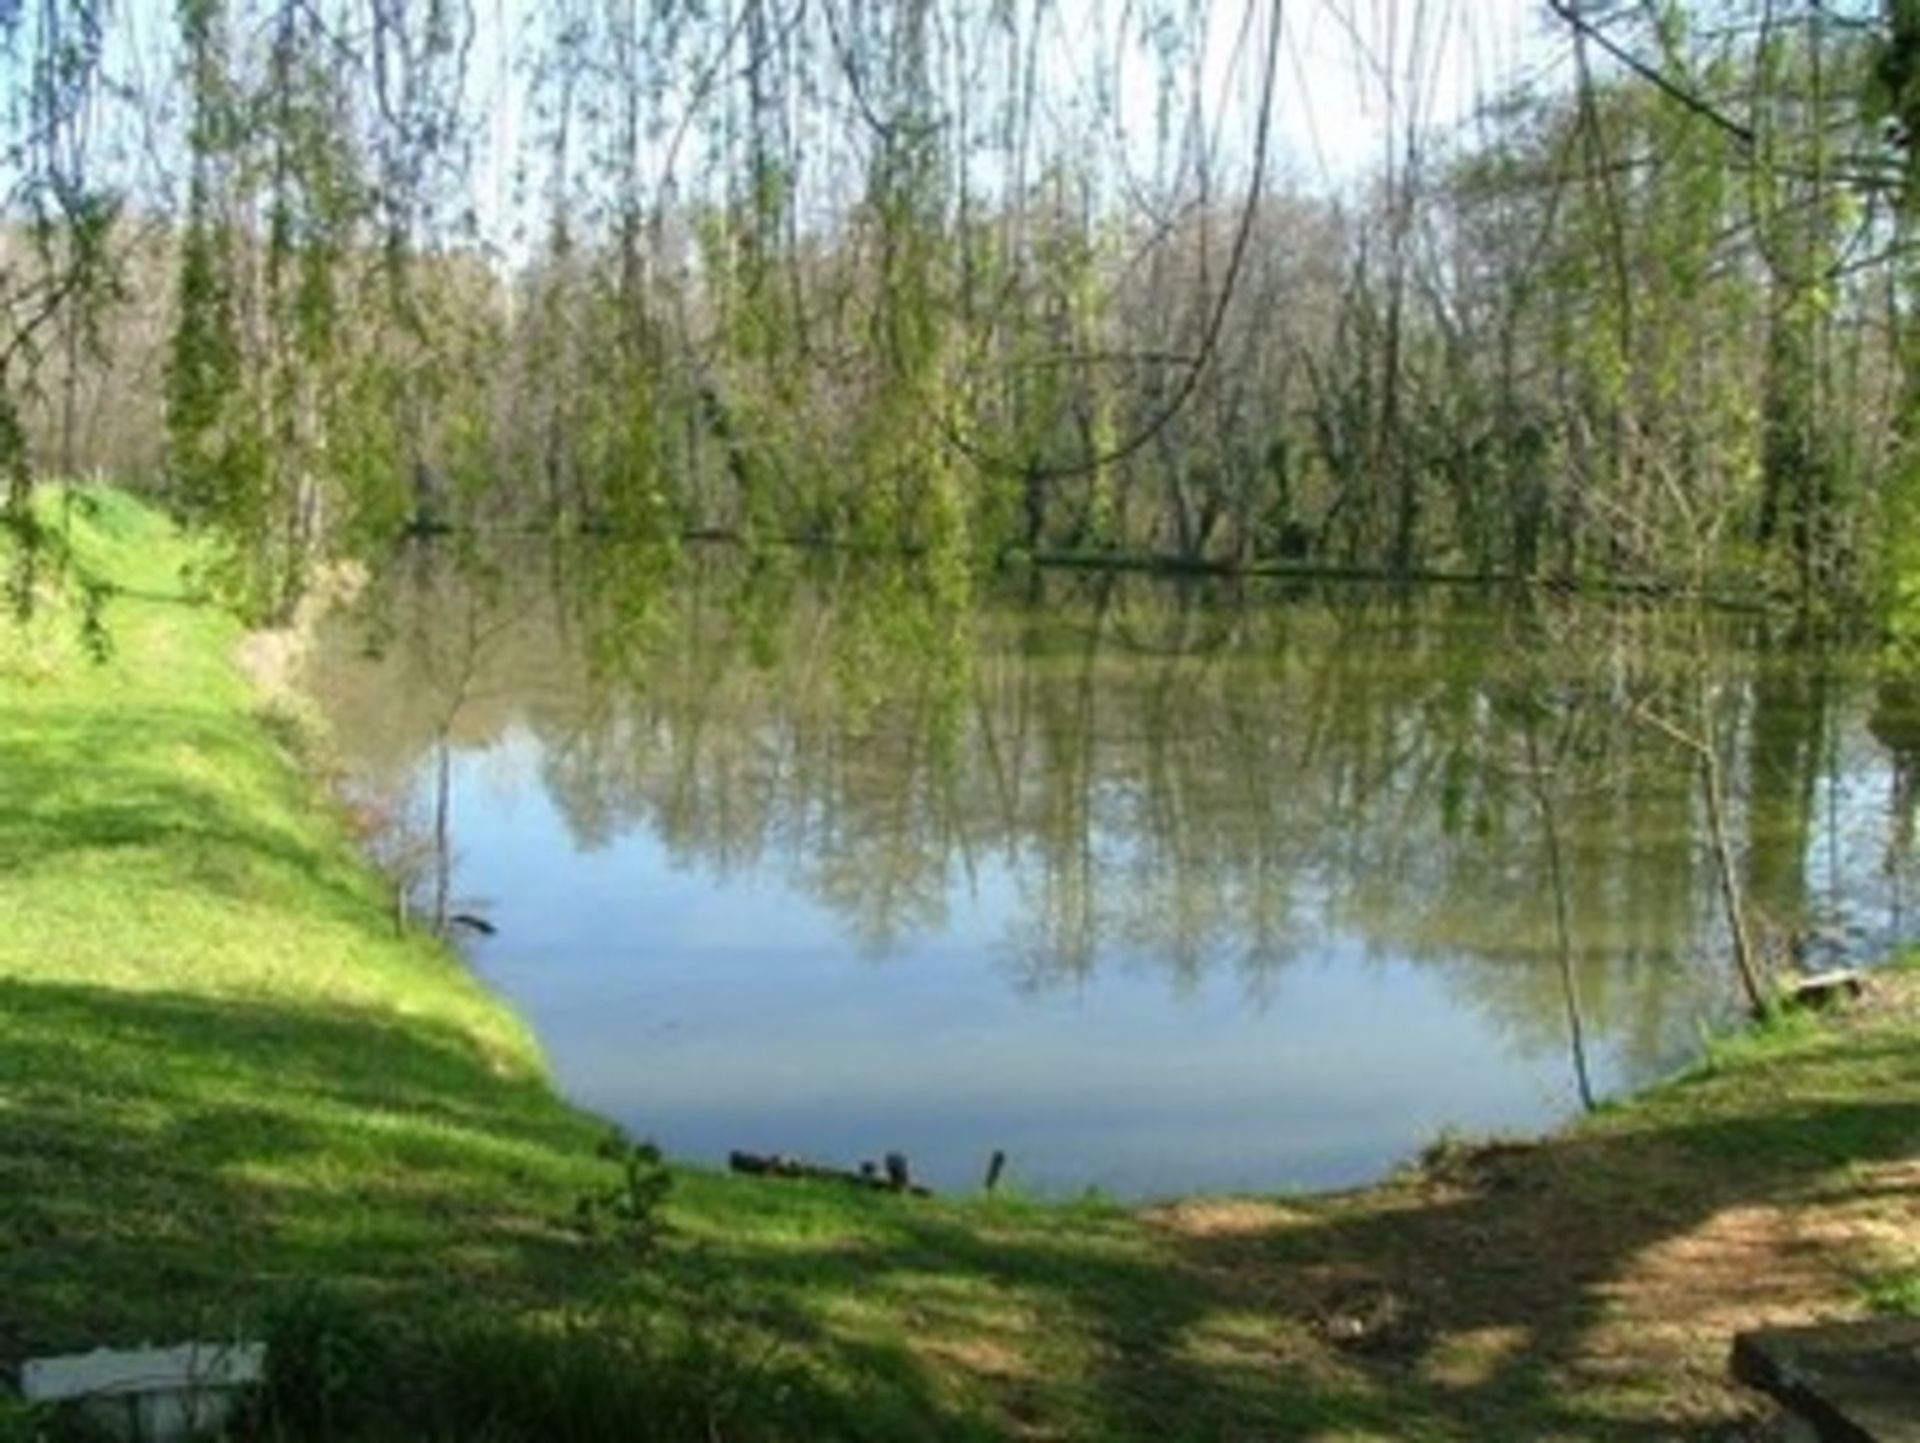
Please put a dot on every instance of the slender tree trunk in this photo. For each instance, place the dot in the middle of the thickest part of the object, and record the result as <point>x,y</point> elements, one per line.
<point>442,834</point>
<point>1713,792</point>
<point>1562,930</point>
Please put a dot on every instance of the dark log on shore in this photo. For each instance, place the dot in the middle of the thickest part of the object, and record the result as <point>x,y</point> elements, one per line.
<point>1823,989</point>
<point>898,1177</point>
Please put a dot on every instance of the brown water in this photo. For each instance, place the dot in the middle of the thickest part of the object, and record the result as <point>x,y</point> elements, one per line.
<point>1156,888</point>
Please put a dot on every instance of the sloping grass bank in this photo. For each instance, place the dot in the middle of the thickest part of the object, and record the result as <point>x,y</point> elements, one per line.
<point>231,1098</point>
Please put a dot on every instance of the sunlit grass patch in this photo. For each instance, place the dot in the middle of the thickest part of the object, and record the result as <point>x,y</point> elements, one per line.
<point>1895,1292</point>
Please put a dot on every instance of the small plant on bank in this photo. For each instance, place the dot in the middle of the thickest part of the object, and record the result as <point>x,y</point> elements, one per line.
<point>1897,1293</point>
<point>599,1374</point>
<point>20,1422</point>
<point>324,1360</point>
<point>1775,1031</point>
<point>629,1210</point>
<point>697,1367</point>
<point>23,1422</point>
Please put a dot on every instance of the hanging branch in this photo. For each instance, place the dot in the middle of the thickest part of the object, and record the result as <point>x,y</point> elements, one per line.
<point>69,225</point>
<point>1190,377</point>
<point>1570,12</point>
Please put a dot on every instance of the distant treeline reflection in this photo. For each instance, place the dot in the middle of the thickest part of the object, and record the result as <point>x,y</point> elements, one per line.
<point>1194,776</point>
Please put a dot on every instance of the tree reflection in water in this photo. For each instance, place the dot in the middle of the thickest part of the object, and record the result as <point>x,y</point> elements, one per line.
<point>1189,782</point>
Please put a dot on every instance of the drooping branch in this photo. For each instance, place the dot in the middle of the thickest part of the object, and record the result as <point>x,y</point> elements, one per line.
<point>1572,13</point>
<point>1202,354</point>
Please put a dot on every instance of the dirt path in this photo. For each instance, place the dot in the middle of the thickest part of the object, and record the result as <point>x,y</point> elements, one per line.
<point>1591,1284</point>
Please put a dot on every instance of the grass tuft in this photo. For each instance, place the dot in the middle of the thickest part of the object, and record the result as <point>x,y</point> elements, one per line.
<point>1896,1293</point>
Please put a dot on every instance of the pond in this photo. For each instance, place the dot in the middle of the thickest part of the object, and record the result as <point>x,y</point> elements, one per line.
<point>1156,887</point>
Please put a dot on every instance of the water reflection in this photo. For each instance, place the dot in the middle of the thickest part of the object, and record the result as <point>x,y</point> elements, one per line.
<point>1156,887</point>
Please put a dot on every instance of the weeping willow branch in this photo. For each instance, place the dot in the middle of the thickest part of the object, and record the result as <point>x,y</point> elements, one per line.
<point>1203,354</point>
<point>1570,11</point>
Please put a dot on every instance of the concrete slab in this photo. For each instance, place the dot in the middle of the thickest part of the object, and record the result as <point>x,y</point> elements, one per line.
<point>149,1395</point>
<point>1852,1382</point>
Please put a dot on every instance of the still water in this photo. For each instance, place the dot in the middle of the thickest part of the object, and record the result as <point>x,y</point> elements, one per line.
<point>1157,888</point>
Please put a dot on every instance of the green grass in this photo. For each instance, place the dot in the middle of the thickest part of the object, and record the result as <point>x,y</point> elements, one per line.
<point>231,1098</point>
<point>1896,1292</point>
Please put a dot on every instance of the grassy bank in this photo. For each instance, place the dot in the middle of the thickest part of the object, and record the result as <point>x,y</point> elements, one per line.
<point>232,1098</point>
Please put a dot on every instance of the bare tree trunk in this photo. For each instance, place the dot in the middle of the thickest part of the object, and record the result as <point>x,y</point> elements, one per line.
<point>1562,931</point>
<point>442,840</point>
<point>1713,792</point>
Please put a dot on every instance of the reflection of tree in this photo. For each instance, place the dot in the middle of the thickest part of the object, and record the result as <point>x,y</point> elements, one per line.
<point>1895,724</point>
<point>1546,764</point>
<point>1189,778</point>
<point>1787,729</point>
<point>445,628</point>
<point>1567,889</point>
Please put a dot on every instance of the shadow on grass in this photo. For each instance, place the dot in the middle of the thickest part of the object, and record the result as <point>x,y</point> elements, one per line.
<point>164,1153</point>
<point>170,1161</point>
<point>1481,1302</point>
<point>176,1166</point>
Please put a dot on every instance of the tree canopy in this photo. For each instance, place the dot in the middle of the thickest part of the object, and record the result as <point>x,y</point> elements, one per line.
<point>968,278</point>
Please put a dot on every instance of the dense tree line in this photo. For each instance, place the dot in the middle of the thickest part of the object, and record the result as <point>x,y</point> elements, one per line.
<point>941,277</point>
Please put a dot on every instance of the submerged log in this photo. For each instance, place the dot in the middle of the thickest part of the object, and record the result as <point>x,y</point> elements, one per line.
<point>779,1164</point>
